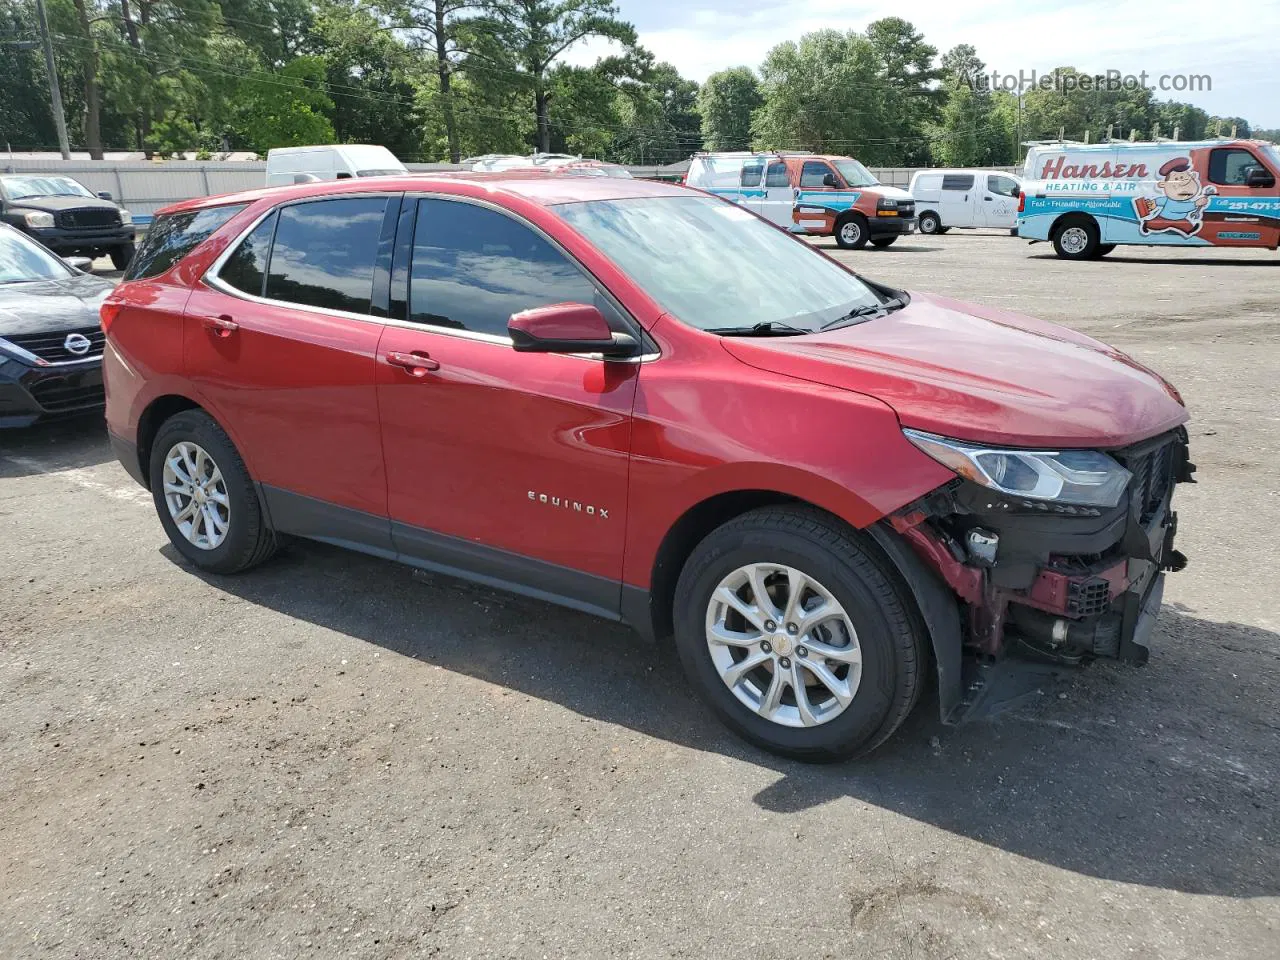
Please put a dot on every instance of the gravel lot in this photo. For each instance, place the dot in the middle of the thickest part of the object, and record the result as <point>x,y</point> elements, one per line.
<point>335,757</point>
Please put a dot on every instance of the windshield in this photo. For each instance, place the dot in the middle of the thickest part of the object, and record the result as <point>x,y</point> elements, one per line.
<point>19,188</point>
<point>855,174</point>
<point>24,260</point>
<point>715,266</point>
<point>1272,153</point>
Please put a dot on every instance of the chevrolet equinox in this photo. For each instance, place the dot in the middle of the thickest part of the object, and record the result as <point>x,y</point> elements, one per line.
<point>651,405</point>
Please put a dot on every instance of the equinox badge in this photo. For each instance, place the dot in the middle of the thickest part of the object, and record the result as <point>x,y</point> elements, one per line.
<point>567,504</point>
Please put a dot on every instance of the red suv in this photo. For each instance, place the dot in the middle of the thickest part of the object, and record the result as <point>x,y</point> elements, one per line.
<point>650,405</point>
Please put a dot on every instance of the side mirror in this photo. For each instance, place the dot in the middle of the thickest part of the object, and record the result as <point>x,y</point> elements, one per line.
<point>1259,177</point>
<point>829,180</point>
<point>104,195</point>
<point>343,175</point>
<point>83,264</point>
<point>567,328</point>
<point>305,178</point>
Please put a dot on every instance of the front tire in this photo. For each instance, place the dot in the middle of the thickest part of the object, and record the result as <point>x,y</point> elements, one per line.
<point>929,222</point>
<point>122,255</point>
<point>851,232</point>
<point>205,497</point>
<point>797,636</point>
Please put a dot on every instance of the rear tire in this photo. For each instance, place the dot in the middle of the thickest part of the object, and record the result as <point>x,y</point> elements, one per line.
<point>837,571</point>
<point>122,255</point>
<point>882,242</point>
<point>215,521</point>
<point>851,232</point>
<point>1076,238</point>
<point>929,222</point>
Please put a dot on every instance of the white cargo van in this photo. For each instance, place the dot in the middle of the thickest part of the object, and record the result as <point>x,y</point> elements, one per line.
<point>964,198</point>
<point>286,165</point>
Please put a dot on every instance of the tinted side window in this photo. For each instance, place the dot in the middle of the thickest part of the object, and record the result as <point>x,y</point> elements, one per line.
<point>812,173</point>
<point>246,268</point>
<point>324,253</point>
<point>474,267</point>
<point>957,181</point>
<point>751,174</point>
<point>174,235</point>
<point>777,176</point>
<point>1230,166</point>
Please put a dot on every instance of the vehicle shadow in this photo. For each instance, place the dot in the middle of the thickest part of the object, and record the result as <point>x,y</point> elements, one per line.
<point>1176,261</point>
<point>1163,776</point>
<point>51,447</point>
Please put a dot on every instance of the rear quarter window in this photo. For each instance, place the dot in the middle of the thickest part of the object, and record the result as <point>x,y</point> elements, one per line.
<point>957,181</point>
<point>173,235</point>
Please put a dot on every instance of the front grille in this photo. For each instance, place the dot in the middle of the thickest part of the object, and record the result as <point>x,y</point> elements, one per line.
<point>56,394</point>
<point>1152,478</point>
<point>88,219</point>
<point>906,209</point>
<point>51,347</point>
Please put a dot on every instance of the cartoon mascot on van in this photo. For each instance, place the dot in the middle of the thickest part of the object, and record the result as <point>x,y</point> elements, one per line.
<point>1181,208</point>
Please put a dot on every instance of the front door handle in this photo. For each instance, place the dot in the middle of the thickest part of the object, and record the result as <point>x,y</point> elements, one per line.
<point>418,363</point>
<point>221,325</point>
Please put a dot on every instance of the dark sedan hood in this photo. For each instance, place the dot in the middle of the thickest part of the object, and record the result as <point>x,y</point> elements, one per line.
<point>981,374</point>
<point>47,306</point>
<point>55,204</point>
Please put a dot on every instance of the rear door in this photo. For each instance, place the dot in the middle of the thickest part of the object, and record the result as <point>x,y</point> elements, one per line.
<point>779,200</point>
<point>280,338</point>
<point>958,198</point>
<point>507,466</point>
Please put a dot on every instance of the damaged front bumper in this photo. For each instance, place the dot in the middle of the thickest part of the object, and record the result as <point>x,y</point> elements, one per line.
<point>1053,584</point>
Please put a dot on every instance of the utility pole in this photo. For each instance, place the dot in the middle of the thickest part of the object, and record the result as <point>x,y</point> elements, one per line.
<point>55,95</point>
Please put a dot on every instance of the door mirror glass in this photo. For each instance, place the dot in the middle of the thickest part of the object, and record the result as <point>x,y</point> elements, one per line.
<point>567,328</point>
<point>104,195</point>
<point>83,264</point>
<point>829,180</point>
<point>1259,177</point>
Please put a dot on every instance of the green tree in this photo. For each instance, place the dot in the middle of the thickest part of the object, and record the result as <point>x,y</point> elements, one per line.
<point>287,109</point>
<point>726,102</point>
<point>531,36</point>
<point>26,119</point>
<point>824,93</point>
<point>908,78</point>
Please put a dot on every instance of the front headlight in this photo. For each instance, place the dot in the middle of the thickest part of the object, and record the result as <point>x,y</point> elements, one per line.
<point>126,217</point>
<point>38,218</point>
<point>1086,478</point>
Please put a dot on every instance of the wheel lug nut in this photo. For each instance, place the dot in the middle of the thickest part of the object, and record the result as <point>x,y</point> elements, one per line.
<point>766,646</point>
<point>802,652</point>
<point>792,629</point>
<point>770,626</point>
<point>785,663</point>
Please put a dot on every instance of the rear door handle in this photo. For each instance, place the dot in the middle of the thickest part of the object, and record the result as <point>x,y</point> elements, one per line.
<point>221,325</point>
<point>418,363</point>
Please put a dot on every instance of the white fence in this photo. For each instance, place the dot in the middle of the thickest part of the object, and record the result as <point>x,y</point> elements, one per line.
<point>144,187</point>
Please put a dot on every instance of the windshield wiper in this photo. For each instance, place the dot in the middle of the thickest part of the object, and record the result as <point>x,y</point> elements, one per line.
<point>766,328</point>
<point>866,312</point>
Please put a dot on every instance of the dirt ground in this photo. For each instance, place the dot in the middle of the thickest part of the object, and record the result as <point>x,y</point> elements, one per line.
<point>336,757</point>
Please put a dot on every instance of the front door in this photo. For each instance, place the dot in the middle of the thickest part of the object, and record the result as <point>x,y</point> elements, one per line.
<point>1237,213</point>
<point>281,341</point>
<point>508,467</point>
<point>999,201</point>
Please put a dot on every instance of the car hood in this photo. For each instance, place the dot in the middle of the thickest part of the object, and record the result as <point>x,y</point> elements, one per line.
<point>49,306</point>
<point>55,204</point>
<point>981,374</point>
<point>890,193</point>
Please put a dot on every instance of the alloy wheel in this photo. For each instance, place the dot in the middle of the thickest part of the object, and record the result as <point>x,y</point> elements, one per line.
<point>196,495</point>
<point>783,645</point>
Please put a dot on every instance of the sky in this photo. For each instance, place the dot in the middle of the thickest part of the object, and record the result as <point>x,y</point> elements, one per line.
<point>1163,37</point>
